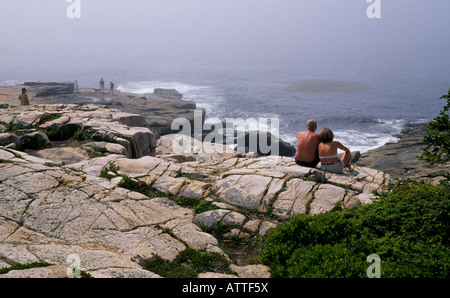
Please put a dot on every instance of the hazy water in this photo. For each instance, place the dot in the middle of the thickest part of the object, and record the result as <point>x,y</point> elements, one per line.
<point>365,99</point>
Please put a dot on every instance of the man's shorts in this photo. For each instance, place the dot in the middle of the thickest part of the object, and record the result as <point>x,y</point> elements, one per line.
<point>337,167</point>
<point>311,164</point>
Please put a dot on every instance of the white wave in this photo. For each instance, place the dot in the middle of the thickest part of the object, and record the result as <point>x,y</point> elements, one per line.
<point>206,97</point>
<point>394,125</point>
<point>289,138</point>
<point>357,140</point>
<point>150,86</point>
<point>10,83</point>
<point>421,121</point>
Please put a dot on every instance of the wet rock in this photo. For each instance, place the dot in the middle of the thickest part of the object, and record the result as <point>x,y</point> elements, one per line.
<point>43,89</point>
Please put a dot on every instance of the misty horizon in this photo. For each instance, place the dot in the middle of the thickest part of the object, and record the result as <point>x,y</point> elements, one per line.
<point>202,31</point>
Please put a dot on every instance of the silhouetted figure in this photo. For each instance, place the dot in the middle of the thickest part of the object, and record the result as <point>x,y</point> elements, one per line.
<point>24,98</point>
<point>102,85</point>
<point>111,89</point>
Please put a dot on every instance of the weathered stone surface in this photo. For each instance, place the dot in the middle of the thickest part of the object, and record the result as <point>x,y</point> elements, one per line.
<point>251,271</point>
<point>123,273</point>
<point>108,147</point>
<point>244,190</point>
<point>56,271</point>
<point>294,199</point>
<point>234,219</point>
<point>210,218</point>
<point>326,197</point>
<point>63,155</point>
<point>216,275</point>
<point>168,93</point>
<point>44,89</point>
<point>9,138</point>
<point>49,211</point>
<point>102,123</point>
<point>399,159</point>
<point>189,147</point>
<point>32,139</point>
<point>265,228</point>
<point>252,225</point>
<point>193,236</point>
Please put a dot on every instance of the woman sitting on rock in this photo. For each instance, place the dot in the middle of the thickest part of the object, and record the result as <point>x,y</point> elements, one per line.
<point>328,150</point>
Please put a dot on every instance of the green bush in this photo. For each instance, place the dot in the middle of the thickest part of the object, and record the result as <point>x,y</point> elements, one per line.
<point>438,138</point>
<point>82,134</point>
<point>407,227</point>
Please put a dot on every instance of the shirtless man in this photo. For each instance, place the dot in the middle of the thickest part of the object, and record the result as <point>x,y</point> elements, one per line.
<point>307,144</point>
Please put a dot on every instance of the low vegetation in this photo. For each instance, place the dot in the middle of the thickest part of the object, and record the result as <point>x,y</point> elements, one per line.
<point>112,171</point>
<point>188,264</point>
<point>438,138</point>
<point>407,227</point>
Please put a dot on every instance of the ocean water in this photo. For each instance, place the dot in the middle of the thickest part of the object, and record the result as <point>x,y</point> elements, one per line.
<point>366,100</point>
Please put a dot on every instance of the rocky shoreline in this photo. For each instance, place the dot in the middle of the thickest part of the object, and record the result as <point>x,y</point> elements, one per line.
<point>126,199</point>
<point>97,182</point>
<point>400,159</point>
<point>159,109</point>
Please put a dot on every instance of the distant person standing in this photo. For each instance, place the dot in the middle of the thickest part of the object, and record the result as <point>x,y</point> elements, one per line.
<point>24,98</point>
<point>102,85</point>
<point>75,86</point>
<point>111,89</point>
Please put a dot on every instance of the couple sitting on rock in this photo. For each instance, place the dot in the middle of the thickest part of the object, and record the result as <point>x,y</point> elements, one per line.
<point>313,148</point>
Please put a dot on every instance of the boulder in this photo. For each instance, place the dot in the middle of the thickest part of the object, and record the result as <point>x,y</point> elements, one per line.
<point>44,89</point>
<point>399,159</point>
<point>33,139</point>
<point>105,147</point>
<point>7,139</point>
<point>168,93</point>
<point>265,141</point>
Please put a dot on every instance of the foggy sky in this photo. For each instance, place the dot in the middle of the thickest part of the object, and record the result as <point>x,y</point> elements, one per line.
<point>121,28</point>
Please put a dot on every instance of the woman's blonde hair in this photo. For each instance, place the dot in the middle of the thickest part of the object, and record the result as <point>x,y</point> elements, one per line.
<point>326,135</point>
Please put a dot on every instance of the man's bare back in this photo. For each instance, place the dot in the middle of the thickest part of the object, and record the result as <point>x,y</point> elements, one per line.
<point>307,145</point>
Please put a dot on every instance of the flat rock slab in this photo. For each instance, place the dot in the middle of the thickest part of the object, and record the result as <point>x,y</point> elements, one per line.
<point>68,212</point>
<point>244,190</point>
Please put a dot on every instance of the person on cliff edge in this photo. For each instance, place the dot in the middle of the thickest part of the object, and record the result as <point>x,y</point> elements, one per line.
<point>24,98</point>
<point>111,88</point>
<point>102,85</point>
<point>307,146</point>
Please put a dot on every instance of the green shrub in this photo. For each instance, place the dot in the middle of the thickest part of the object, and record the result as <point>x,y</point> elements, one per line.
<point>438,138</point>
<point>407,227</point>
<point>82,134</point>
<point>61,133</point>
